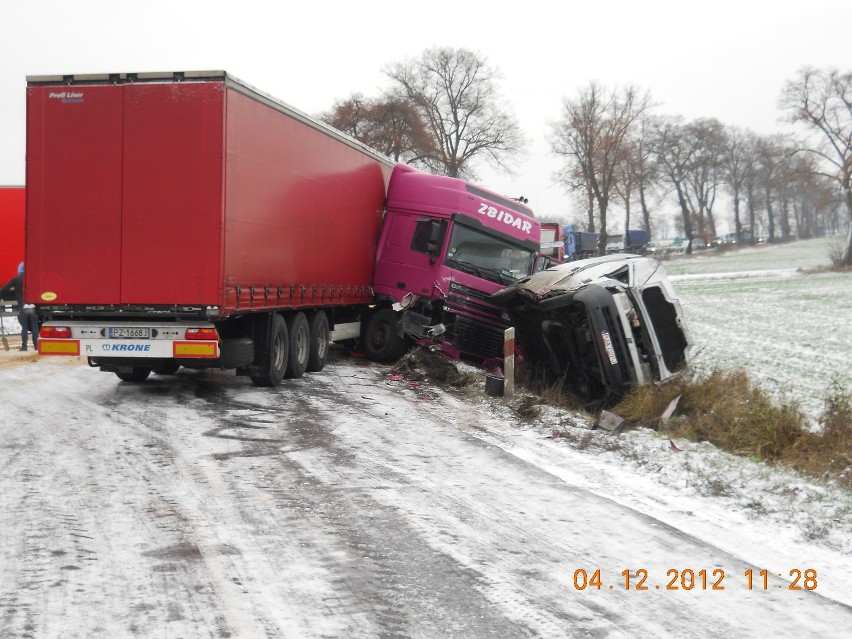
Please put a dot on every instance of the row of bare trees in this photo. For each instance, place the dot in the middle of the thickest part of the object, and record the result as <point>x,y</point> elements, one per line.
<point>443,112</point>
<point>614,150</point>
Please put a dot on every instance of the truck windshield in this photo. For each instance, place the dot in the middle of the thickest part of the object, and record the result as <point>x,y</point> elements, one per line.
<point>488,256</point>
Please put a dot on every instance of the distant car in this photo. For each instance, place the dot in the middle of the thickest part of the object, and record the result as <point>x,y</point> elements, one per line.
<point>601,325</point>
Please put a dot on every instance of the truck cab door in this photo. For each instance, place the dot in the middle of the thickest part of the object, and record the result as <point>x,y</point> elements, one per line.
<point>409,254</point>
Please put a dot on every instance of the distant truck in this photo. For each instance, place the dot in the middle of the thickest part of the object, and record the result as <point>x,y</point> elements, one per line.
<point>600,326</point>
<point>633,242</point>
<point>552,242</point>
<point>12,211</point>
<point>186,234</point>
<point>578,244</point>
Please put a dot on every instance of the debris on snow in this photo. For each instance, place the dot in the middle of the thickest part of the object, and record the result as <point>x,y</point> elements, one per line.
<point>610,422</point>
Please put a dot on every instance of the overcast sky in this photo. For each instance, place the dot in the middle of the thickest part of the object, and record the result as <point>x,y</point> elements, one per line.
<point>724,59</point>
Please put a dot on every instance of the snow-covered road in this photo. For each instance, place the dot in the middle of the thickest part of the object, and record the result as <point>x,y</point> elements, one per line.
<point>342,505</point>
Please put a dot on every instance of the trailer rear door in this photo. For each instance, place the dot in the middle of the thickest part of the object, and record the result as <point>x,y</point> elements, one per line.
<point>125,195</point>
<point>172,193</point>
<point>74,190</point>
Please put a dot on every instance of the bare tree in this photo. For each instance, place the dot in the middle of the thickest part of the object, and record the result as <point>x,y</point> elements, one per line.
<point>770,157</point>
<point>646,169</point>
<point>589,137</point>
<point>638,172</point>
<point>822,101</point>
<point>750,185</point>
<point>706,140</point>
<point>455,93</point>
<point>674,152</point>
<point>388,124</point>
<point>736,165</point>
<point>572,178</point>
<point>627,177</point>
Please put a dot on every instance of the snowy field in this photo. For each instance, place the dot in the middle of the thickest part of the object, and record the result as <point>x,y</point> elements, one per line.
<point>760,309</point>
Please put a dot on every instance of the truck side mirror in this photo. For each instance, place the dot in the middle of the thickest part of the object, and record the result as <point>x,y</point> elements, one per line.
<point>428,237</point>
<point>436,238</point>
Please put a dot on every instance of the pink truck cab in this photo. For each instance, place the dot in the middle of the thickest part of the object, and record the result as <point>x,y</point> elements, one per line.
<point>445,246</point>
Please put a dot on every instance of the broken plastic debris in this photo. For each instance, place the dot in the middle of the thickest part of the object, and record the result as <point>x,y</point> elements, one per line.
<point>670,409</point>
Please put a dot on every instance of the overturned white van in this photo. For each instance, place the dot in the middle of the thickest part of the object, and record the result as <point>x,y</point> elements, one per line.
<point>602,325</point>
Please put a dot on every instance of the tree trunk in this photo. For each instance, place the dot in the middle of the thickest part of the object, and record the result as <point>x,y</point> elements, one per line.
<point>687,219</point>
<point>847,254</point>
<point>799,219</point>
<point>785,220</point>
<point>591,210</point>
<point>751,217</point>
<point>646,214</point>
<point>738,227</point>
<point>770,214</point>
<point>712,223</point>
<point>603,238</point>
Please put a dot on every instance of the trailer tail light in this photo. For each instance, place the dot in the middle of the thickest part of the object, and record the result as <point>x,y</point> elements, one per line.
<point>55,332</point>
<point>202,334</point>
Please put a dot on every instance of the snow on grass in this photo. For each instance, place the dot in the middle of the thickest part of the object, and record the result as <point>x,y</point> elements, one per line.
<point>754,309</point>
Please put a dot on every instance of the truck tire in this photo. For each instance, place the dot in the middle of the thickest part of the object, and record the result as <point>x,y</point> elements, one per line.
<point>320,339</point>
<point>136,374</point>
<point>277,356</point>
<point>236,352</point>
<point>300,345</point>
<point>381,340</point>
<point>167,367</point>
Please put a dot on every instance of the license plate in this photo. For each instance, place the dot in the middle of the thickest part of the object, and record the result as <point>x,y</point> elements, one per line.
<point>131,333</point>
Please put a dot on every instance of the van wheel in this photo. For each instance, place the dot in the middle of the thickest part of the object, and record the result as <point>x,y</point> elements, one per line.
<point>277,355</point>
<point>300,345</point>
<point>320,339</point>
<point>136,374</point>
<point>381,340</point>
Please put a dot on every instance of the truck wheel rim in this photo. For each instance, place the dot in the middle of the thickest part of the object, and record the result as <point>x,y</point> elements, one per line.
<point>302,339</point>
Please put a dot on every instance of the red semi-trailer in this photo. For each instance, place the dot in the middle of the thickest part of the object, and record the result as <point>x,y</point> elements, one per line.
<point>12,207</point>
<point>174,219</point>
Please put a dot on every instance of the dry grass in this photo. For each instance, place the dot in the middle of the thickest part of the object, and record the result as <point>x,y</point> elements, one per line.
<point>723,408</point>
<point>726,410</point>
<point>836,256</point>
<point>552,393</point>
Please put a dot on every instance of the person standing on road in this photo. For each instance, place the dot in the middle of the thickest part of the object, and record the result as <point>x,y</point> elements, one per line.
<point>26,313</point>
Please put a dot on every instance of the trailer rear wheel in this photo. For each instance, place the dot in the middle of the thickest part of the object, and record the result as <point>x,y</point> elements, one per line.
<point>320,339</point>
<point>136,374</point>
<point>300,345</point>
<point>167,367</point>
<point>277,354</point>
<point>381,339</point>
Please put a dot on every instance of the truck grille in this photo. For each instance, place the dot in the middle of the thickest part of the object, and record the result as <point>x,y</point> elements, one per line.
<point>476,338</point>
